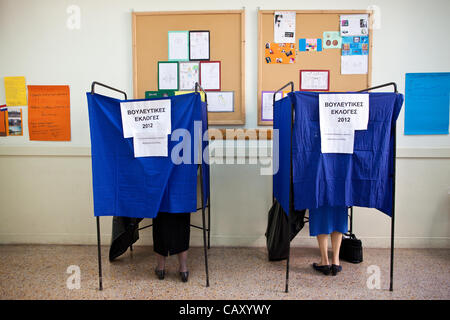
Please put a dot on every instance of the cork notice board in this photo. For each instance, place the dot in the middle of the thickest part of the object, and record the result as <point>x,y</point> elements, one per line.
<point>309,24</point>
<point>227,31</point>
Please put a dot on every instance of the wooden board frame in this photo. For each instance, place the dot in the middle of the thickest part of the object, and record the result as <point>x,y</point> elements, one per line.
<point>150,46</point>
<point>281,74</point>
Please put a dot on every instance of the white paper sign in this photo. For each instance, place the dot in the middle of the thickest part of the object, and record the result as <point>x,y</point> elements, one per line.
<point>267,105</point>
<point>168,76</point>
<point>147,117</point>
<point>156,146</point>
<point>344,111</point>
<point>284,26</point>
<point>189,75</point>
<point>355,64</point>
<point>220,101</point>
<point>337,140</point>
<point>210,75</point>
<point>178,45</point>
<point>354,25</point>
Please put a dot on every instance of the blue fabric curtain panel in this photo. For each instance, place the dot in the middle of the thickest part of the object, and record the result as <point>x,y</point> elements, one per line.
<point>140,187</point>
<point>363,178</point>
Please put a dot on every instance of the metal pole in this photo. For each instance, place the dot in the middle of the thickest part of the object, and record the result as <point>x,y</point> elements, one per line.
<point>100,280</point>
<point>204,230</point>
<point>391,285</point>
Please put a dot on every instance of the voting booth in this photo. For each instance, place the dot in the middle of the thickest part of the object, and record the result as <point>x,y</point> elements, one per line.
<point>147,157</point>
<point>336,149</point>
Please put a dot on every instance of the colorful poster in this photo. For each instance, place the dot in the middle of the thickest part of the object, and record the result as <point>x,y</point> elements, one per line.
<point>189,75</point>
<point>427,100</point>
<point>283,53</point>
<point>354,46</point>
<point>309,44</point>
<point>284,26</point>
<point>354,24</point>
<point>49,113</point>
<point>15,91</point>
<point>332,40</point>
<point>15,121</point>
<point>3,121</point>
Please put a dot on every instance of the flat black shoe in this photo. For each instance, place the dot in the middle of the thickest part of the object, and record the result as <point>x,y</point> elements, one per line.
<point>323,269</point>
<point>335,269</point>
<point>184,276</point>
<point>160,274</point>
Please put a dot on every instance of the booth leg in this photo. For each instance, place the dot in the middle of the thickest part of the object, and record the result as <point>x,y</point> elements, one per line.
<point>287,269</point>
<point>100,280</point>
<point>209,223</point>
<point>205,248</point>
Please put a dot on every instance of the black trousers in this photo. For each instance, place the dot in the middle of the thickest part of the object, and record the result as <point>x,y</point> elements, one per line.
<point>171,233</point>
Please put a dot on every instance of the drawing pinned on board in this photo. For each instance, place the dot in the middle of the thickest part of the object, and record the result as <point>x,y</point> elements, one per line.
<point>178,45</point>
<point>167,75</point>
<point>332,40</point>
<point>314,80</point>
<point>267,104</point>
<point>355,64</point>
<point>220,101</point>
<point>309,44</point>
<point>199,45</point>
<point>355,45</point>
<point>210,75</point>
<point>3,121</point>
<point>279,53</point>
<point>189,74</point>
<point>354,24</point>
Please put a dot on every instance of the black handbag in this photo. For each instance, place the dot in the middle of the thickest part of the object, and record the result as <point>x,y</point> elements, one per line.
<point>351,249</point>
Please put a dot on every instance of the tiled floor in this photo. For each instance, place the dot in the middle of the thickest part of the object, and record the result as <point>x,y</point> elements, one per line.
<point>40,272</point>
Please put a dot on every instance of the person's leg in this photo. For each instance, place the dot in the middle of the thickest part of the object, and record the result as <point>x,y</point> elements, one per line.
<point>322,239</point>
<point>160,262</point>
<point>182,260</point>
<point>336,239</point>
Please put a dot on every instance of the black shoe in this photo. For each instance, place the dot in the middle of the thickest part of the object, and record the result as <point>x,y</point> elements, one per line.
<point>324,269</point>
<point>335,269</point>
<point>184,276</point>
<point>160,274</point>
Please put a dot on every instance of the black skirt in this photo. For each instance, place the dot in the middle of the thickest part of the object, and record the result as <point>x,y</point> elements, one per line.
<point>171,233</point>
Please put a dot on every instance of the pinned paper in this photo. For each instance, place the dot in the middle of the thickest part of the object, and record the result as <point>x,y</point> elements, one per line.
<point>210,75</point>
<point>178,45</point>
<point>267,104</point>
<point>220,101</point>
<point>3,120</point>
<point>337,140</point>
<point>167,75</point>
<point>15,121</point>
<point>332,40</point>
<point>310,45</point>
<point>356,45</point>
<point>356,64</point>
<point>146,117</point>
<point>49,113</point>
<point>199,45</point>
<point>279,53</point>
<point>354,24</point>
<point>284,26</point>
<point>154,145</point>
<point>15,91</point>
<point>189,75</point>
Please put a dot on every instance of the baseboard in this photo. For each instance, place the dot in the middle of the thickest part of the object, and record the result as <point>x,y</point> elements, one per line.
<point>218,240</point>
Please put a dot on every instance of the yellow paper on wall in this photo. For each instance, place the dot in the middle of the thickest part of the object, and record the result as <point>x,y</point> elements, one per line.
<point>202,95</point>
<point>15,91</point>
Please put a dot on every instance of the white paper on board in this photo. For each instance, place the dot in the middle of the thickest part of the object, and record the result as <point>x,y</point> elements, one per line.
<point>146,117</point>
<point>354,64</point>
<point>337,140</point>
<point>178,45</point>
<point>189,75</point>
<point>284,26</point>
<point>210,75</point>
<point>150,146</point>
<point>220,101</point>
<point>267,105</point>
<point>199,45</point>
<point>168,76</point>
<point>314,80</point>
<point>354,25</point>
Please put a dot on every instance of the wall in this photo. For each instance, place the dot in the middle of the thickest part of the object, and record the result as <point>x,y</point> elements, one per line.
<point>46,188</point>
